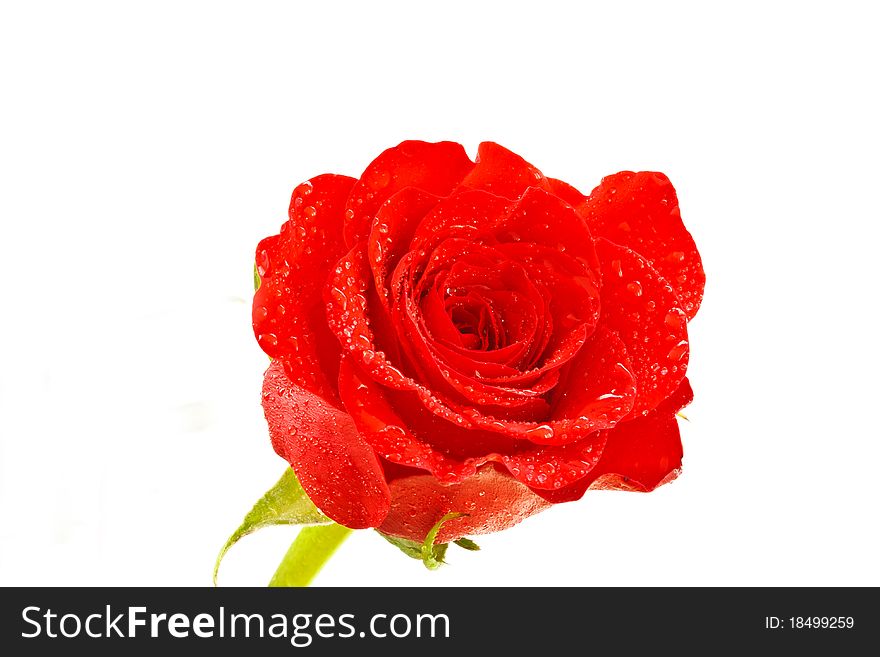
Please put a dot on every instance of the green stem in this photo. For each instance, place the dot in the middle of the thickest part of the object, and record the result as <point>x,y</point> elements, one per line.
<point>310,551</point>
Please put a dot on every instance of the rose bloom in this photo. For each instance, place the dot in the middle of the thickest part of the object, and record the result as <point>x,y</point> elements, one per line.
<point>474,337</point>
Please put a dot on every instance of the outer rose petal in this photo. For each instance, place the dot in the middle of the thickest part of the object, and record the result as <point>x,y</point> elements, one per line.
<point>493,501</point>
<point>503,172</point>
<point>288,311</point>
<point>643,309</point>
<point>640,455</point>
<point>386,432</point>
<point>598,382</point>
<point>640,211</point>
<point>337,468</point>
<point>391,232</point>
<point>566,192</point>
<point>435,168</point>
<point>402,430</point>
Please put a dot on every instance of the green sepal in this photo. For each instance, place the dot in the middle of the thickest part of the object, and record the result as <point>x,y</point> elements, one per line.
<point>467,544</point>
<point>286,503</point>
<point>429,553</point>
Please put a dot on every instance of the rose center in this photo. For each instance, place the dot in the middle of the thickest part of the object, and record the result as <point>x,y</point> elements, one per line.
<point>476,323</point>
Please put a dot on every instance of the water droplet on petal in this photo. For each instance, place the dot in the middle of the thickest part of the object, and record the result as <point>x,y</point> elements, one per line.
<point>678,351</point>
<point>339,296</point>
<point>263,262</point>
<point>673,319</point>
<point>310,211</point>
<point>635,287</point>
<point>380,179</point>
<point>618,269</point>
<point>541,432</point>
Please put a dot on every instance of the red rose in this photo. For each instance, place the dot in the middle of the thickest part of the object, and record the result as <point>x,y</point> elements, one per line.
<point>475,337</point>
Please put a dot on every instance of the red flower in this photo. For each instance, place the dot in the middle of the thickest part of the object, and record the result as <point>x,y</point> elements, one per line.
<point>474,337</point>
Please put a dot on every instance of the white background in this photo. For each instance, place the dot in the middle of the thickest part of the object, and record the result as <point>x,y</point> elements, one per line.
<point>147,147</point>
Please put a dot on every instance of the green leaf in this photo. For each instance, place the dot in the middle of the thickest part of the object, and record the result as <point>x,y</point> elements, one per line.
<point>467,544</point>
<point>429,553</point>
<point>286,503</point>
<point>408,547</point>
<point>308,554</point>
<point>256,278</point>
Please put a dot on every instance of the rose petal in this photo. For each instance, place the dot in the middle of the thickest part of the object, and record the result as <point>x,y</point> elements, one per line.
<point>542,218</point>
<point>387,433</point>
<point>337,468</point>
<point>598,382</point>
<point>436,168</point>
<point>470,215</point>
<point>642,308</point>
<point>640,454</point>
<point>503,172</point>
<point>492,500</point>
<point>546,236</point>
<point>391,232</point>
<point>566,192</point>
<point>640,211</point>
<point>550,467</point>
<point>406,430</point>
<point>347,296</point>
<point>288,311</point>
<point>499,292</point>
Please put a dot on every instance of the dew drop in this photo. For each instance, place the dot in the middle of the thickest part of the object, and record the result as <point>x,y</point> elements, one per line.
<point>310,211</point>
<point>673,319</point>
<point>635,287</point>
<point>678,351</point>
<point>339,296</point>
<point>262,262</point>
<point>268,340</point>
<point>618,269</point>
<point>380,179</point>
<point>541,432</point>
